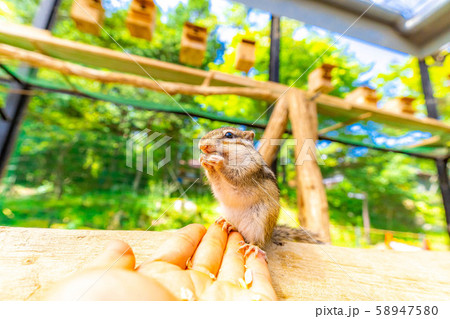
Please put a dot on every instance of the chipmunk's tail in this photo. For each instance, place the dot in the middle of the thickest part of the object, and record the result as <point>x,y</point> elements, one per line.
<point>283,233</point>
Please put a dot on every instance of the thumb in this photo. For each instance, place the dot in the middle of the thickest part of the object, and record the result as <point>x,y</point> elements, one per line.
<point>117,254</point>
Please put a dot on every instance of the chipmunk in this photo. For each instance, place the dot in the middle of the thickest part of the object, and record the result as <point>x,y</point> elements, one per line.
<point>246,188</point>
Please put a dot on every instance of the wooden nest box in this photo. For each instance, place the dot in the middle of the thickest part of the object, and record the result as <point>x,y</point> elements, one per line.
<point>193,44</point>
<point>363,96</point>
<point>88,15</point>
<point>141,19</point>
<point>319,80</point>
<point>245,55</point>
<point>400,105</point>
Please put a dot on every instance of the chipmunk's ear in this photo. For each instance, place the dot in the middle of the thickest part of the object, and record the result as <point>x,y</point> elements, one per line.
<point>249,135</point>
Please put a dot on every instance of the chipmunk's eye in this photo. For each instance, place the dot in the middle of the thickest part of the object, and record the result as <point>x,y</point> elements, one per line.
<point>229,135</point>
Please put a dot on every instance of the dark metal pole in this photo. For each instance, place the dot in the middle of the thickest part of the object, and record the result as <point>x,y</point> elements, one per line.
<point>427,88</point>
<point>441,164</point>
<point>274,64</point>
<point>16,104</point>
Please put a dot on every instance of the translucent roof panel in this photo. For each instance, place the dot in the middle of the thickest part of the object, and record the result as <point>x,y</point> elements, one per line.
<point>408,8</point>
<point>416,27</point>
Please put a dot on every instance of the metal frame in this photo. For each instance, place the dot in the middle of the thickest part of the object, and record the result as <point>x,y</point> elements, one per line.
<point>274,65</point>
<point>421,35</point>
<point>441,164</point>
<point>16,104</point>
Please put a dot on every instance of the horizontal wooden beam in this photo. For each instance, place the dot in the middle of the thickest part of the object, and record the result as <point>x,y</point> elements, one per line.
<point>33,259</point>
<point>67,68</point>
<point>33,39</point>
<point>425,142</point>
<point>339,125</point>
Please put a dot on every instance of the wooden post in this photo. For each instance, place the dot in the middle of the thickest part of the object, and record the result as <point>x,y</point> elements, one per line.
<point>314,120</point>
<point>274,130</point>
<point>312,200</point>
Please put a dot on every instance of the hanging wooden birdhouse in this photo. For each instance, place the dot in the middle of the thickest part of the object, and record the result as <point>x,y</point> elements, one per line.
<point>363,96</point>
<point>319,80</point>
<point>400,105</point>
<point>141,19</point>
<point>193,44</point>
<point>245,55</point>
<point>88,15</point>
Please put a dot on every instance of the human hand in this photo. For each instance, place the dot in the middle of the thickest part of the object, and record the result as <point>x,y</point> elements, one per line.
<point>192,265</point>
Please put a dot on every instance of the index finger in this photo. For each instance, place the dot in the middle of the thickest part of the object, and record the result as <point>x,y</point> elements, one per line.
<point>232,267</point>
<point>208,256</point>
<point>262,283</point>
<point>178,249</point>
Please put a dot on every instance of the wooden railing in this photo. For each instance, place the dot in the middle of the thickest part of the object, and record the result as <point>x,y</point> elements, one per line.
<point>31,260</point>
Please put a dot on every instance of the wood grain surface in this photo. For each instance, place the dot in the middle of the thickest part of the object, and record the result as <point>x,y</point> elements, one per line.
<point>32,259</point>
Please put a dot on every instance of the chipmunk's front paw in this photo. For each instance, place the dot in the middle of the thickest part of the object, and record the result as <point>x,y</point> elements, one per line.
<point>211,161</point>
<point>226,226</point>
<point>215,160</point>
<point>250,249</point>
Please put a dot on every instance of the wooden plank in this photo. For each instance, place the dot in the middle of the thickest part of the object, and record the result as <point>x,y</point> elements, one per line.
<point>425,142</point>
<point>67,68</point>
<point>77,52</point>
<point>33,259</point>
<point>345,123</point>
<point>406,121</point>
<point>274,130</point>
<point>311,196</point>
<point>334,106</point>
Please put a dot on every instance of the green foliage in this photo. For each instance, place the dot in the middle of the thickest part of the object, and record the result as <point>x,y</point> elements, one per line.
<point>407,76</point>
<point>105,210</point>
<point>298,59</point>
<point>69,167</point>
